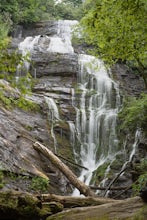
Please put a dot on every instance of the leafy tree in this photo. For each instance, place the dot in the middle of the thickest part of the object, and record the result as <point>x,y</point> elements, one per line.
<point>118,30</point>
<point>69,9</point>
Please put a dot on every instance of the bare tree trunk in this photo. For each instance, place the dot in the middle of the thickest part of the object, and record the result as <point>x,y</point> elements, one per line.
<point>84,189</point>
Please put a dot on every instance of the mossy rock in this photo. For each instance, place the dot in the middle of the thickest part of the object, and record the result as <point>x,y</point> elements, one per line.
<point>19,205</point>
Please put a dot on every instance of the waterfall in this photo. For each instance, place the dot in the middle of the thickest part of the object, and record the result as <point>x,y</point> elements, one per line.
<point>95,99</point>
<point>96,108</point>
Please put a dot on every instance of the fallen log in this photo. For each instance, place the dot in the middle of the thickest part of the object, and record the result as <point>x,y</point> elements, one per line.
<point>132,208</point>
<point>84,189</point>
<point>73,201</point>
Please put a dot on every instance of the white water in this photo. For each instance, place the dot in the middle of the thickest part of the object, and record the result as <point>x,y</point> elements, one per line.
<point>96,113</point>
<point>134,148</point>
<point>59,43</point>
<point>53,116</point>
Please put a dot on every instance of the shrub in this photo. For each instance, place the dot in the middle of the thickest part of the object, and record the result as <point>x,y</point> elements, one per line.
<point>133,114</point>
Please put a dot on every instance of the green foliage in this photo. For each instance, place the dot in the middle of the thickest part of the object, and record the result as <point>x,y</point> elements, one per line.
<point>68,10</point>
<point>133,115</point>
<point>26,12</point>
<point>22,11</point>
<point>99,173</point>
<point>142,179</point>
<point>4,28</point>
<point>5,101</point>
<point>21,102</point>
<point>40,184</point>
<point>118,30</point>
<point>26,104</point>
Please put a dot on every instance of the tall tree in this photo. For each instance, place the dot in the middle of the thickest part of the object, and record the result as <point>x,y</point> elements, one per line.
<point>118,30</point>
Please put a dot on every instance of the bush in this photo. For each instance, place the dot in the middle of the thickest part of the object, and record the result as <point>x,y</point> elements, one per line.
<point>133,114</point>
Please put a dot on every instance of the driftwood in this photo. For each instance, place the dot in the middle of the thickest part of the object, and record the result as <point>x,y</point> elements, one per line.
<point>84,189</point>
<point>72,201</point>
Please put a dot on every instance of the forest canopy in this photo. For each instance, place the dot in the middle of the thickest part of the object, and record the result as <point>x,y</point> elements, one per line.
<point>22,11</point>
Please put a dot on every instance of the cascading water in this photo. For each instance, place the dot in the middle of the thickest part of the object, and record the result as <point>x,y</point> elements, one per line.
<point>96,112</point>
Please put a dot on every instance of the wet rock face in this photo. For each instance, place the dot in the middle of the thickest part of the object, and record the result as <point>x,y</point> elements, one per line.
<point>18,131</point>
<point>51,64</point>
<point>56,77</point>
<point>131,84</point>
<point>43,28</point>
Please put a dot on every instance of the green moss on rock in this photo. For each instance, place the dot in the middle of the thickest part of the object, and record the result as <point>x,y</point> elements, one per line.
<point>18,205</point>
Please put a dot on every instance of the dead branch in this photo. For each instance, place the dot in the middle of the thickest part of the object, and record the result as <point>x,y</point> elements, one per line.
<point>84,189</point>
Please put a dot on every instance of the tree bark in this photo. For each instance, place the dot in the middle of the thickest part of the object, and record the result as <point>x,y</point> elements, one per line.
<point>132,208</point>
<point>72,201</point>
<point>84,189</point>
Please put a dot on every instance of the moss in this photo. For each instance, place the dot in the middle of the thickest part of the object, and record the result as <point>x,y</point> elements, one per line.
<point>39,184</point>
<point>19,205</point>
<point>45,212</point>
<point>64,147</point>
<point>98,174</point>
<point>28,206</point>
